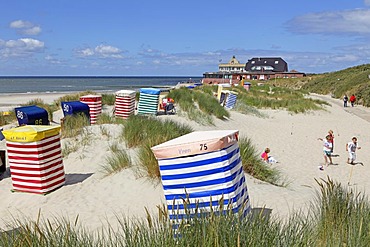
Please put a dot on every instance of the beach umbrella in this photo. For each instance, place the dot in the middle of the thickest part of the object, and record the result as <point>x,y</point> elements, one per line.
<point>148,101</point>
<point>125,103</point>
<point>35,158</point>
<point>202,171</point>
<point>95,105</point>
<point>31,115</point>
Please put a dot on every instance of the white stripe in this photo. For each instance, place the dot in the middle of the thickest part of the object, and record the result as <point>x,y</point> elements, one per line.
<point>38,161</point>
<point>29,149</point>
<point>204,188</point>
<point>40,156</point>
<point>37,179</point>
<point>209,177</point>
<point>26,165</point>
<point>38,185</point>
<point>39,190</point>
<point>205,167</point>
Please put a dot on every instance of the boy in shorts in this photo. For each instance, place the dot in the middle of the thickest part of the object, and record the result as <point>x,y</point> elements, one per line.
<point>351,149</point>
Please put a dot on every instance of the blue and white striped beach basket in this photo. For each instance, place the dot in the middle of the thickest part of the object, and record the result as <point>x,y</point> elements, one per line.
<point>202,170</point>
<point>148,101</point>
<point>230,101</point>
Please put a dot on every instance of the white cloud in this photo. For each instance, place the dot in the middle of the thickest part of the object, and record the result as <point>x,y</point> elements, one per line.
<point>20,47</point>
<point>26,27</point>
<point>349,22</point>
<point>103,51</point>
<point>367,2</point>
<point>21,24</point>
<point>108,51</point>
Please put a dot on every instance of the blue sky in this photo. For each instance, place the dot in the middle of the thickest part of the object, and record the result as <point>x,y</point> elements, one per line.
<point>185,38</point>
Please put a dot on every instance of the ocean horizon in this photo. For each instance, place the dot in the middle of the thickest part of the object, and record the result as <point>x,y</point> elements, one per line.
<point>57,84</point>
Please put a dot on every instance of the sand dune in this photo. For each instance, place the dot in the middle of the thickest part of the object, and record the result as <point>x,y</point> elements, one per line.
<point>292,139</point>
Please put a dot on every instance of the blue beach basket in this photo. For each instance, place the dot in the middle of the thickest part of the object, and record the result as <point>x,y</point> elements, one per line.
<point>202,172</point>
<point>31,115</point>
<point>230,101</point>
<point>75,107</point>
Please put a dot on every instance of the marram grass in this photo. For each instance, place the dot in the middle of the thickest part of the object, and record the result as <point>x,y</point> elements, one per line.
<point>339,216</point>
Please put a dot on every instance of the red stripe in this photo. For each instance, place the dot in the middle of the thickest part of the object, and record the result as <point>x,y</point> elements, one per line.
<point>40,168</point>
<point>38,151</point>
<point>41,192</point>
<point>26,145</point>
<point>37,182</point>
<point>35,158</point>
<point>26,175</point>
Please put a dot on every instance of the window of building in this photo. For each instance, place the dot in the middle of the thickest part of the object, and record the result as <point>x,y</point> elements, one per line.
<point>276,62</point>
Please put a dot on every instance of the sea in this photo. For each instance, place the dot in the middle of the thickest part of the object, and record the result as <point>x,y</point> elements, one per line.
<point>60,84</point>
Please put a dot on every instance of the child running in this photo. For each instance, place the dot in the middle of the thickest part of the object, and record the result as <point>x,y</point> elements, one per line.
<point>351,149</point>
<point>327,147</point>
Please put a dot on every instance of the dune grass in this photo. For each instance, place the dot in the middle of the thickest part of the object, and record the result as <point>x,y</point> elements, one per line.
<point>108,99</point>
<point>199,106</point>
<point>145,132</point>
<point>266,96</point>
<point>116,162</point>
<point>339,216</point>
<point>8,118</point>
<point>74,125</point>
<point>253,164</point>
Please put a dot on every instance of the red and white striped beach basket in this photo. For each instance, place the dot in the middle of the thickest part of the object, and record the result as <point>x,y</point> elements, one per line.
<point>125,103</point>
<point>35,158</point>
<point>95,105</point>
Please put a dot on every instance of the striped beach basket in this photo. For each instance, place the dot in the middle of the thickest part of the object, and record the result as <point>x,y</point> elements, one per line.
<point>95,105</point>
<point>202,170</point>
<point>148,101</point>
<point>35,158</point>
<point>230,101</point>
<point>125,103</point>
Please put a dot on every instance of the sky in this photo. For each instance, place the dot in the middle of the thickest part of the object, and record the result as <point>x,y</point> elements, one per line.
<point>178,38</point>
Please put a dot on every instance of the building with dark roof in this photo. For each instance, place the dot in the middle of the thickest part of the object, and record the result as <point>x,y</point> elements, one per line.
<point>257,68</point>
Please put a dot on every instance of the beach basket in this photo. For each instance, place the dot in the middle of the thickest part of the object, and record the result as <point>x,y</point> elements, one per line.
<point>71,108</point>
<point>125,103</point>
<point>203,169</point>
<point>247,85</point>
<point>95,105</point>
<point>148,101</point>
<point>230,100</point>
<point>31,115</point>
<point>35,158</point>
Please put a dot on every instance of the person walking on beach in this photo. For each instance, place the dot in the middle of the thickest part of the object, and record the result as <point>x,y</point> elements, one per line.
<point>345,100</point>
<point>327,145</point>
<point>351,149</point>
<point>352,99</point>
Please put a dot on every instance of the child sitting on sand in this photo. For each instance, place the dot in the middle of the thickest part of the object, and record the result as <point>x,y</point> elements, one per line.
<point>267,158</point>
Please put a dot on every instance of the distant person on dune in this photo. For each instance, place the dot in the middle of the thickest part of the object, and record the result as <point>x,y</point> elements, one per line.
<point>352,99</point>
<point>345,100</point>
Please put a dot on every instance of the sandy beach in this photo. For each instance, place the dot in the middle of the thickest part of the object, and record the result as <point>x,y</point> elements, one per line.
<point>292,138</point>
